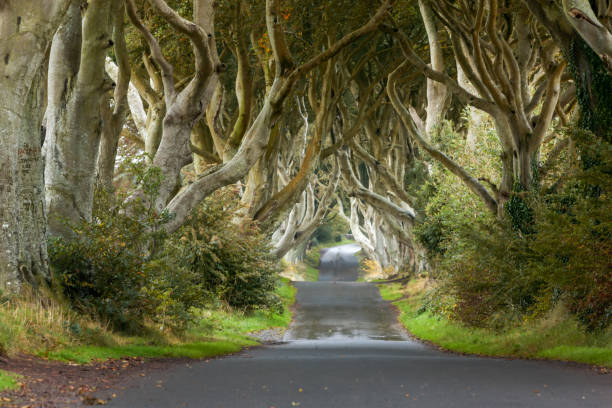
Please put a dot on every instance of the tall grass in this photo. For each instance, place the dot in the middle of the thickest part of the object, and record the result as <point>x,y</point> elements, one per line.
<point>28,325</point>
<point>557,335</point>
<point>50,329</point>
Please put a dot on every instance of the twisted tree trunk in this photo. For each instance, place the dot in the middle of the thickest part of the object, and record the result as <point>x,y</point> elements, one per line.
<point>26,31</point>
<point>76,85</point>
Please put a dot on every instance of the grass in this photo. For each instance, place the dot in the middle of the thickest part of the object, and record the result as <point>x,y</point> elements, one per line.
<point>301,272</point>
<point>557,336</point>
<point>203,349</point>
<point>43,331</point>
<point>8,381</point>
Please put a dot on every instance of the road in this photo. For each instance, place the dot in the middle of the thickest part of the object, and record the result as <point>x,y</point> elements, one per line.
<point>346,350</point>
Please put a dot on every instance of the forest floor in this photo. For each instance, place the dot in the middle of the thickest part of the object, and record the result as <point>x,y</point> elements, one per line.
<point>556,336</point>
<point>82,374</point>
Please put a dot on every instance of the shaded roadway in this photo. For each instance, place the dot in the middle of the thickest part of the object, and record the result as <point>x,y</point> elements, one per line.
<point>345,349</point>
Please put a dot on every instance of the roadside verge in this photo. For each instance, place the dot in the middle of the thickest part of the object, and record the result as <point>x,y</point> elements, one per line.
<point>553,337</point>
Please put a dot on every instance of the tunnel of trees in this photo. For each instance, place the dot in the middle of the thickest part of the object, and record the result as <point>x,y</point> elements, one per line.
<point>155,150</point>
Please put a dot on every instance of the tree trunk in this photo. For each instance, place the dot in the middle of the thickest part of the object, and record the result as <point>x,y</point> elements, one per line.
<point>593,88</point>
<point>114,119</point>
<point>76,85</point>
<point>23,250</point>
<point>437,93</point>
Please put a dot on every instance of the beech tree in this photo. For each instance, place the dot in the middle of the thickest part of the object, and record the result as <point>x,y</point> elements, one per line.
<point>76,83</point>
<point>509,83</point>
<point>344,116</point>
<point>26,30</point>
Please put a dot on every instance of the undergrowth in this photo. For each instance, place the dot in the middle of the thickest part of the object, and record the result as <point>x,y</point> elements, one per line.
<point>54,331</point>
<point>557,335</point>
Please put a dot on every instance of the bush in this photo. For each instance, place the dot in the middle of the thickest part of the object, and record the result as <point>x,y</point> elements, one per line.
<point>114,267</point>
<point>232,262</point>
<point>554,247</point>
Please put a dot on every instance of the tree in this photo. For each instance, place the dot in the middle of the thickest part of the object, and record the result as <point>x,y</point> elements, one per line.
<point>76,83</point>
<point>26,30</point>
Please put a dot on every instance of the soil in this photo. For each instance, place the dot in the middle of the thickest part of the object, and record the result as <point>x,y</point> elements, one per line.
<point>52,384</point>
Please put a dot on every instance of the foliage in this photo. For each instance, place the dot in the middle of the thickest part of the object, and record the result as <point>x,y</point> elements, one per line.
<point>332,229</point>
<point>217,331</point>
<point>593,84</point>
<point>232,262</point>
<point>553,248</point>
<point>372,270</point>
<point>115,268</point>
<point>557,335</point>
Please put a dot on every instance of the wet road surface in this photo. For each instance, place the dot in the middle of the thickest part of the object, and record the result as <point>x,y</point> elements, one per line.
<point>345,350</point>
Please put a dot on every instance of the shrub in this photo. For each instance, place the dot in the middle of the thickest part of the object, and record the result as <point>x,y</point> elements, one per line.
<point>232,262</point>
<point>114,267</point>
<point>554,245</point>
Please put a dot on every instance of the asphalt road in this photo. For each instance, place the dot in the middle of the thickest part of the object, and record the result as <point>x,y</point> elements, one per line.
<point>345,350</point>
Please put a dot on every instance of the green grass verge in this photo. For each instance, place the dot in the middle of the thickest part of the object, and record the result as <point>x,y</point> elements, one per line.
<point>86,354</point>
<point>8,381</point>
<point>555,337</point>
<point>312,274</point>
<point>217,333</point>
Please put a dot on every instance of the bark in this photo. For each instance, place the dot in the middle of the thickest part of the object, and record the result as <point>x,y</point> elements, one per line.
<point>114,119</point>
<point>307,229</point>
<point>26,31</point>
<point>255,140</point>
<point>182,109</point>
<point>202,148</point>
<point>244,92</point>
<point>476,117</point>
<point>358,190</point>
<point>357,230</point>
<point>497,66</point>
<point>76,85</point>
<point>437,93</point>
<point>452,166</point>
<point>587,25</point>
<point>593,83</point>
<point>277,207</point>
<point>137,111</point>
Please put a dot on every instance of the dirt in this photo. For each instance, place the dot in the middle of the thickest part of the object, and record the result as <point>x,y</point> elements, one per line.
<point>52,384</point>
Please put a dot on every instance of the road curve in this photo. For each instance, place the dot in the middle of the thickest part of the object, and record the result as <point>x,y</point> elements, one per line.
<point>345,350</point>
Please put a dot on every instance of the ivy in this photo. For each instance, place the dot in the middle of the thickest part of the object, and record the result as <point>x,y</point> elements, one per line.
<point>593,89</point>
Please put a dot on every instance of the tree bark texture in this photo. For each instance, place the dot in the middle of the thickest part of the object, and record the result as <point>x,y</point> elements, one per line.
<point>76,85</point>
<point>26,31</point>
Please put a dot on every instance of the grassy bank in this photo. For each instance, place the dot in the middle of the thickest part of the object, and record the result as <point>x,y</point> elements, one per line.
<point>55,333</point>
<point>556,336</point>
